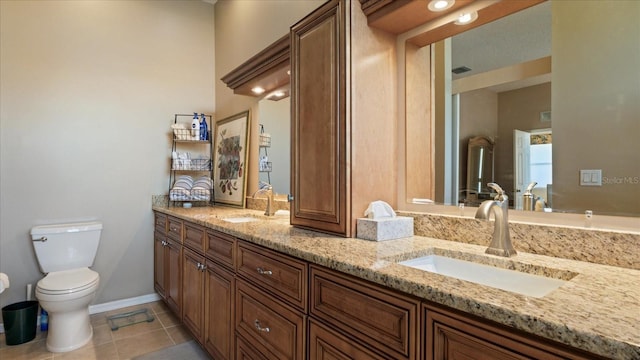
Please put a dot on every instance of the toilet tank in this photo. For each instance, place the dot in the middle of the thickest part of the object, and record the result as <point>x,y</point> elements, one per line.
<point>66,246</point>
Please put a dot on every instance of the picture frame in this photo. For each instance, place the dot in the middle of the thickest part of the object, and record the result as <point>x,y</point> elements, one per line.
<point>230,166</point>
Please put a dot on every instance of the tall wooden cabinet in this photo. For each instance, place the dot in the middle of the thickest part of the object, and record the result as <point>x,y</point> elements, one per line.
<point>343,132</point>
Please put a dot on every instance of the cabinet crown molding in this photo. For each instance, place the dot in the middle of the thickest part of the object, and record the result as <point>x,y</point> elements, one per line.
<point>268,69</point>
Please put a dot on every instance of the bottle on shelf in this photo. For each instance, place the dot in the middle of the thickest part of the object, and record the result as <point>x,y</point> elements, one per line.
<point>204,130</point>
<point>195,127</point>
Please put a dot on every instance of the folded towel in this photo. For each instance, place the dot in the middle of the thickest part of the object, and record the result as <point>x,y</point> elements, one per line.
<point>200,194</point>
<point>204,181</point>
<point>201,190</point>
<point>181,190</point>
<point>181,132</point>
<point>179,195</point>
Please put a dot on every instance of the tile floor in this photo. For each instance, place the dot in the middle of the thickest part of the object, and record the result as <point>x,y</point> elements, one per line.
<point>124,343</point>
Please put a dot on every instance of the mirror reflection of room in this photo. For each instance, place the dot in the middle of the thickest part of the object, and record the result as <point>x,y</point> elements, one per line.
<point>586,107</point>
<point>506,109</point>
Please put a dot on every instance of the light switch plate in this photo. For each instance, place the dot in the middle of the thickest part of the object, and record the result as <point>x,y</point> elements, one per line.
<point>591,177</point>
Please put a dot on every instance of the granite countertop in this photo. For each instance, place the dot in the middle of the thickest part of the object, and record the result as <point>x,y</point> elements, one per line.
<point>598,310</point>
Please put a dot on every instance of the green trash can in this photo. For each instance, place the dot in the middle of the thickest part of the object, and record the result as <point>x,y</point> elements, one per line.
<point>20,321</point>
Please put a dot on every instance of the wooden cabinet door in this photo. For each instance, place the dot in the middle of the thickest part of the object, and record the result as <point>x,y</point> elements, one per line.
<point>219,310</point>
<point>319,121</point>
<point>327,344</point>
<point>452,336</point>
<point>173,276</point>
<point>159,279</point>
<point>193,293</point>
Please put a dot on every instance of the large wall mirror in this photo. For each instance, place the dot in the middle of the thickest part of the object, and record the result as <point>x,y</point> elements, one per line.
<point>556,87</point>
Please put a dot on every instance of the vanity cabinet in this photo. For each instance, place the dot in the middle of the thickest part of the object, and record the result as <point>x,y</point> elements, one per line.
<point>271,298</point>
<point>450,335</point>
<point>383,321</point>
<point>244,301</point>
<point>219,308</point>
<point>194,274</point>
<point>343,118</point>
<point>219,305</point>
<point>159,243</point>
<point>193,293</point>
<point>168,261</point>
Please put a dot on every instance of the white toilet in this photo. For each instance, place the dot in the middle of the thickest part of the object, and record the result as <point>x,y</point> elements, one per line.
<point>65,252</point>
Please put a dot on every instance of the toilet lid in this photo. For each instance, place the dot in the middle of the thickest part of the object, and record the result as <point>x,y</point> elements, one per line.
<point>68,280</point>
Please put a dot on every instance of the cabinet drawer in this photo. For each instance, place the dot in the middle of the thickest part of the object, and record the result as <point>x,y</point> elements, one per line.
<point>381,318</point>
<point>269,325</point>
<point>174,229</point>
<point>220,247</point>
<point>194,237</point>
<point>244,351</point>
<point>279,274</point>
<point>326,344</point>
<point>161,223</point>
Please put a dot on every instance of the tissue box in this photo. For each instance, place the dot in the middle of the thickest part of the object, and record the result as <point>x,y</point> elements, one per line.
<point>385,228</point>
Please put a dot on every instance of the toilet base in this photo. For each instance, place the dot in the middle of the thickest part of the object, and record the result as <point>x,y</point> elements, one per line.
<point>69,331</point>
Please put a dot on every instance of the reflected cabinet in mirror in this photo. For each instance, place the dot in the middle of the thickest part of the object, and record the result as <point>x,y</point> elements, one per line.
<point>555,86</point>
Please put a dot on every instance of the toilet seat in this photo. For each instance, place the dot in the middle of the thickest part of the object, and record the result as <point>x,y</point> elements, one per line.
<point>68,281</point>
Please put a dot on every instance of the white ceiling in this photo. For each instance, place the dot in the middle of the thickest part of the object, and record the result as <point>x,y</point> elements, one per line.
<point>517,38</point>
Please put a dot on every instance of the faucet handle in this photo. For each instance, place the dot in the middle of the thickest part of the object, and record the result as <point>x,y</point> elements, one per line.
<point>501,195</point>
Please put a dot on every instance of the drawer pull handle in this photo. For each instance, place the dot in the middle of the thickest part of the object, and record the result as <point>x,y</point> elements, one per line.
<point>262,271</point>
<point>201,267</point>
<point>259,326</point>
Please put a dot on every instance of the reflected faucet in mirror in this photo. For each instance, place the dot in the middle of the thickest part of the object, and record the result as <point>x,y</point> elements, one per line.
<point>501,242</point>
<point>527,197</point>
<point>267,189</point>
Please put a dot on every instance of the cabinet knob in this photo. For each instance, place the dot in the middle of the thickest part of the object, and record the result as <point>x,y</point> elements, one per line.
<point>262,271</point>
<point>259,326</point>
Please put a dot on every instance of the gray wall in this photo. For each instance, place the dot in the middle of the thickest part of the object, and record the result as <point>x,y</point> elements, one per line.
<point>88,93</point>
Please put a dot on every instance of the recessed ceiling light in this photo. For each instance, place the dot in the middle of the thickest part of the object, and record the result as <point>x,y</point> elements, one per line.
<point>257,90</point>
<point>440,5</point>
<point>467,18</point>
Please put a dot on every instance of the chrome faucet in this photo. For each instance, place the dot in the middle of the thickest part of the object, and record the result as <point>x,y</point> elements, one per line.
<point>267,189</point>
<point>501,241</point>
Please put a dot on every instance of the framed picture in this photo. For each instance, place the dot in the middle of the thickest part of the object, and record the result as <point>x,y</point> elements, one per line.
<point>230,172</point>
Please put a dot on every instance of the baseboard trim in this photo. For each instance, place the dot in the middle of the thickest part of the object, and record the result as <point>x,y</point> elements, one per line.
<point>113,305</point>
<point>119,304</point>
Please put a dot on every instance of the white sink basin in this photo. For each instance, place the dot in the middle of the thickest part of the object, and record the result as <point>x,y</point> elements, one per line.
<point>510,280</point>
<point>242,219</point>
